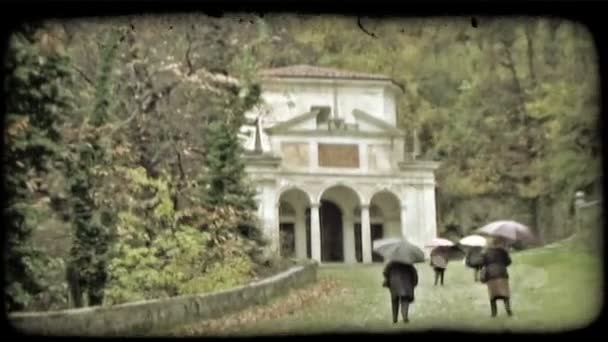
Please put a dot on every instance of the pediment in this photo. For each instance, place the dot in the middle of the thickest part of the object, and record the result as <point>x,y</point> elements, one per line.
<point>299,122</point>
<point>364,123</point>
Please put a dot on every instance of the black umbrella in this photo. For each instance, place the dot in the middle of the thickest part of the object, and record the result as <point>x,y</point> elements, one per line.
<point>399,250</point>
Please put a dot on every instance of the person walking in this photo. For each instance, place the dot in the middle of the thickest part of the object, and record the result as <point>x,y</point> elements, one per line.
<point>401,280</point>
<point>494,274</point>
<point>474,260</point>
<point>439,262</point>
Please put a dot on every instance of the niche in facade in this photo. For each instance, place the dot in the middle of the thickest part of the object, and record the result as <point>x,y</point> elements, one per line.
<point>323,117</point>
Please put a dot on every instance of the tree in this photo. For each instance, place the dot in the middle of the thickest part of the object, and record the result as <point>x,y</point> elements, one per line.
<point>87,267</point>
<point>38,100</point>
<point>164,98</point>
<point>504,108</point>
<point>223,182</point>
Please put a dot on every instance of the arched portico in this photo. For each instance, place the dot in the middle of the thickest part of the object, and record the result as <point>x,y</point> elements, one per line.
<point>293,204</point>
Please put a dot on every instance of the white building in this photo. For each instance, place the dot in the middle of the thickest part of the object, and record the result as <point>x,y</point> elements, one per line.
<point>330,166</point>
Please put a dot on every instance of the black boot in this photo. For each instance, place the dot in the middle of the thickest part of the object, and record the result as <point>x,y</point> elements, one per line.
<point>405,304</point>
<point>493,307</point>
<point>442,272</point>
<point>508,307</point>
<point>395,304</point>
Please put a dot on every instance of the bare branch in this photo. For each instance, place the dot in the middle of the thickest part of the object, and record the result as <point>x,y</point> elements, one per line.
<point>188,51</point>
<point>180,166</point>
<point>198,151</point>
<point>84,76</point>
<point>530,52</point>
<point>363,29</point>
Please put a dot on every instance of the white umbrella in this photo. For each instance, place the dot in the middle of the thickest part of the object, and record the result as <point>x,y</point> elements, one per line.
<point>439,242</point>
<point>473,241</point>
<point>507,229</point>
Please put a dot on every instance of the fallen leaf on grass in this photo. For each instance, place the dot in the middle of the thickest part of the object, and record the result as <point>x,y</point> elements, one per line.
<point>295,300</point>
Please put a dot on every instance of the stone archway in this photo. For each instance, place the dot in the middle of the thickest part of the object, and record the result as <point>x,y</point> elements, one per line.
<point>287,230</point>
<point>337,236</point>
<point>385,217</point>
<point>294,236</point>
<point>376,231</point>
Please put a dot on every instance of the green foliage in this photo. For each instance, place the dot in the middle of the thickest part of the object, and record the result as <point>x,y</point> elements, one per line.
<point>91,219</point>
<point>231,272</point>
<point>223,182</point>
<point>37,101</point>
<point>161,252</point>
<point>503,108</point>
<point>103,89</point>
<point>152,156</point>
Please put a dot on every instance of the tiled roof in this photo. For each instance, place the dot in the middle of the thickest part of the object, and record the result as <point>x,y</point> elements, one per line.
<point>320,72</point>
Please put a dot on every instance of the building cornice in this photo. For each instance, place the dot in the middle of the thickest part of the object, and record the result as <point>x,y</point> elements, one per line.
<point>336,133</point>
<point>262,160</point>
<point>399,178</point>
<point>419,165</point>
<point>341,82</point>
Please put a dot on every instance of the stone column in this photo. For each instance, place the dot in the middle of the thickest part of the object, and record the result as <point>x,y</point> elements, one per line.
<point>430,213</point>
<point>300,233</point>
<point>411,223</point>
<point>349,240</point>
<point>421,214</point>
<point>364,150</point>
<point>579,202</point>
<point>270,219</point>
<point>404,231</point>
<point>276,235</point>
<point>314,156</point>
<point>315,232</point>
<point>366,235</point>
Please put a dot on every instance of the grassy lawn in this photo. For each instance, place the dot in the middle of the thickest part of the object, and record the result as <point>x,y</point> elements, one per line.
<point>554,288</point>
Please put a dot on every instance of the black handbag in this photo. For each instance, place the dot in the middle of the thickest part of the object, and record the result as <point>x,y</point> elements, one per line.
<point>483,275</point>
<point>474,260</point>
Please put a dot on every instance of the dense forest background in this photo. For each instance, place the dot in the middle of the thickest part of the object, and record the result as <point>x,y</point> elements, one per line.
<point>122,138</point>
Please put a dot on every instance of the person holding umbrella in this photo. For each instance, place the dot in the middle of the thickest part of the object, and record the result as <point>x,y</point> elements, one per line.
<point>473,244</point>
<point>440,256</point>
<point>400,275</point>
<point>496,259</point>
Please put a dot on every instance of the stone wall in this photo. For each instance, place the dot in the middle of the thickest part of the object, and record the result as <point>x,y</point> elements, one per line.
<point>139,318</point>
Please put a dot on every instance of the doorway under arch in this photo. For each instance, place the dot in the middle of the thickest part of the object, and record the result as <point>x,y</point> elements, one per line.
<point>332,232</point>
<point>376,232</point>
<point>330,217</point>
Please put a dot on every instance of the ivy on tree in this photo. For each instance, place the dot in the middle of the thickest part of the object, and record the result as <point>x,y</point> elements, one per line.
<point>37,99</point>
<point>88,262</point>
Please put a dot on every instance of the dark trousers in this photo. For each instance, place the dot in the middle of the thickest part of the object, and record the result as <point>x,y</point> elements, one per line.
<point>507,303</point>
<point>405,303</point>
<point>439,274</point>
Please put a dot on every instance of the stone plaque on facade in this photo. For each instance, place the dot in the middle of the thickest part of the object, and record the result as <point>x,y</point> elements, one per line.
<point>379,157</point>
<point>295,154</point>
<point>338,155</point>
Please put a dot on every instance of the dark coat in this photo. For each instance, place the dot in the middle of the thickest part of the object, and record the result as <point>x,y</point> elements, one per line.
<point>402,279</point>
<point>440,257</point>
<point>496,260</point>
<point>474,258</point>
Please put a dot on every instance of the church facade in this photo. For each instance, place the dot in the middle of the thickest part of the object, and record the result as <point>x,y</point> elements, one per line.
<point>330,166</point>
